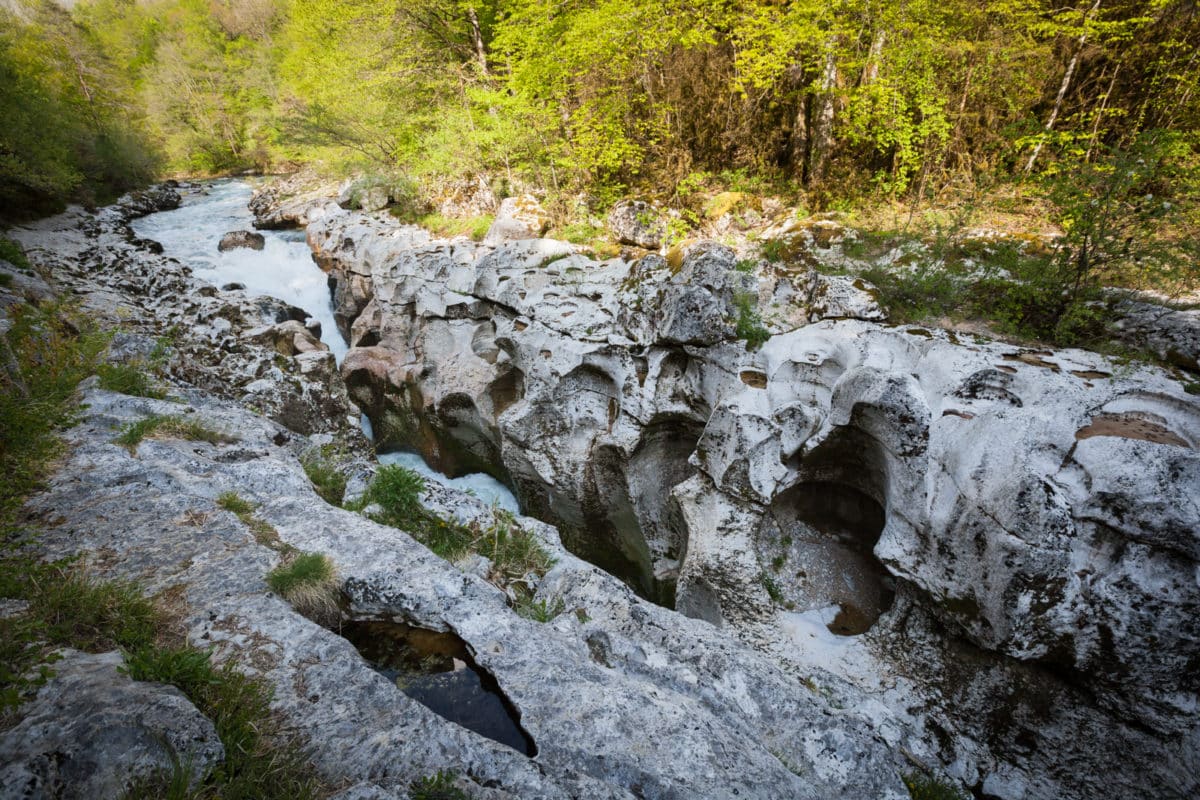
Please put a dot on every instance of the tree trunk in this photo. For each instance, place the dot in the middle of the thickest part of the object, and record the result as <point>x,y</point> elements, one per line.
<point>824,106</point>
<point>1062,89</point>
<point>477,41</point>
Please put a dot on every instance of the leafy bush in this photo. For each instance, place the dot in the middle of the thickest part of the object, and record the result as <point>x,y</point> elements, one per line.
<point>923,786</point>
<point>11,252</point>
<point>538,611</point>
<point>67,608</point>
<point>749,323</point>
<point>44,355</point>
<point>397,491</point>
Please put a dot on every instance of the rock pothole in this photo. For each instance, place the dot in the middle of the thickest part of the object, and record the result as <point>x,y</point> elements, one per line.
<point>436,669</point>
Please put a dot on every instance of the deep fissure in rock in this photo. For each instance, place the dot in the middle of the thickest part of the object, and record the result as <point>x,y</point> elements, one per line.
<point>436,669</point>
<point>821,533</point>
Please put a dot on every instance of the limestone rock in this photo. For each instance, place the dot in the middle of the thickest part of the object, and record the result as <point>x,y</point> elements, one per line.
<point>236,239</point>
<point>638,223</point>
<point>1172,335</point>
<point>518,218</point>
<point>93,732</point>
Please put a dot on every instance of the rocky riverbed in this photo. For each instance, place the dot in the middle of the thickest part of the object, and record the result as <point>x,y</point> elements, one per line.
<point>804,570</point>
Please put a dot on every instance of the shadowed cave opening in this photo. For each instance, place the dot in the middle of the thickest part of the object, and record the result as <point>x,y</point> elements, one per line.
<point>820,533</point>
<point>436,669</point>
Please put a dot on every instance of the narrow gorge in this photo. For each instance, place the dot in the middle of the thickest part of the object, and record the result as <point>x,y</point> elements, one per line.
<point>808,569</point>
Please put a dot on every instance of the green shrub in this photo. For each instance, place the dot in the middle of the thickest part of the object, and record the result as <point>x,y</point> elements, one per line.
<point>169,427</point>
<point>772,587</point>
<point>749,323</point>
<point>439,786</point>
<point>309,581</point>
<point>397,491</point>
<point>44,355</point>
<point>923,786</point>
<point>66,608</point>
<point>259,761</point>
<point>129,378</point>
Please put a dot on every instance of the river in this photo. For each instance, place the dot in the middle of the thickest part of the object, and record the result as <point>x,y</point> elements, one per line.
<point>284,268</point>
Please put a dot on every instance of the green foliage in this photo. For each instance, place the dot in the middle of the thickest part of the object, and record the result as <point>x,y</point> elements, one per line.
<point>43,357</point>
<point>439,786</point>
<point>232,501</point>
<point>328,478</point>
<point>923,786</point>
<point>772,586</point>
<point>397,491</point>
<point>749,324</point>
<point>539,610</point>
<point>1192,387</point>
<point>11,252</point>
<point>129,378</point>
<point>260,761</point>
<point>167,426</point>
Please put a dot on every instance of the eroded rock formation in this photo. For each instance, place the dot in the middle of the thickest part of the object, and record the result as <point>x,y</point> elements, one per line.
<point>1025,521</point>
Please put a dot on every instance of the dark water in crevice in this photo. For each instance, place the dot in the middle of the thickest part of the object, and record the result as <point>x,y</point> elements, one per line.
<point>436,670</point>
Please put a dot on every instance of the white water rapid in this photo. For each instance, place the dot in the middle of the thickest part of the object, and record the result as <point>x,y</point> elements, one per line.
<point>283,268</point>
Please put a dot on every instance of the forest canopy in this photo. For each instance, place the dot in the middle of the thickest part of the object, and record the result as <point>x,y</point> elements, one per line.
<point>838,99</point>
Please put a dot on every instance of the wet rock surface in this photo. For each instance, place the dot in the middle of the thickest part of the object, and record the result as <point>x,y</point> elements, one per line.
<point>1029,515</point>
<point>236,239</point>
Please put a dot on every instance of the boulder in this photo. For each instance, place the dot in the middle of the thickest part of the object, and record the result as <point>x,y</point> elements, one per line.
<point>518,218</point>
<point>236,239</point>
<point>93,732</point>
<point>160,197</point>
<point>637,223</point>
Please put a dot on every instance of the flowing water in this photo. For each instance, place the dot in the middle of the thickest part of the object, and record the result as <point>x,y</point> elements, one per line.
<point>284,268</point>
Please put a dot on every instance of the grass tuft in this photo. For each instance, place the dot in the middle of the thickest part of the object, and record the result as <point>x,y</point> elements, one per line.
<point>259,761</point>
<point>163,426</point>
<point>327,477</point>
<point>129,378</point>
<point>397,491</point>
<point>309,581</point>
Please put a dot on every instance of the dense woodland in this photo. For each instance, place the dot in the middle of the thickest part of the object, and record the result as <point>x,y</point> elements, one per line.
<point>1086,110</point>
<point>841,99</point>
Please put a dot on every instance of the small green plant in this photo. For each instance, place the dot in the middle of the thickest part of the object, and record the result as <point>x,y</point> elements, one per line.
<point>326,476</point>
<point>773,591</point>
<point>1192,388</point>
<point>539,610</point>
<point>397,491</point>
<point>773,250</point>
<point>777,562</point>
<point>514,552</point>
<point>439,786</point>
<point>924,786</point>
<point>6,280</point>
<point>129,378</point>
<point>746,265</point>
<point>166,426</point>
<point>232,501</point>
<point>309,581</point>
<point>749,323</point>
